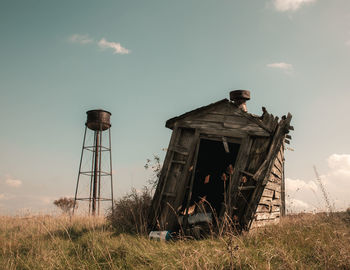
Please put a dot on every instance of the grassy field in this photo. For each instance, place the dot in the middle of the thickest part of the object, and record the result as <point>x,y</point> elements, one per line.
<point>299,242</point>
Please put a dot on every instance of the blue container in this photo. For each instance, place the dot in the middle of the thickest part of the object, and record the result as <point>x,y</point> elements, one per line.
<point>160,235</point>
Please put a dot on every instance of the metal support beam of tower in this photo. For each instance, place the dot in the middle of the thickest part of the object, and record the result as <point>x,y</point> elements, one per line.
<point>96,170</point>
<point>81,159</point>
<point>98,121</point>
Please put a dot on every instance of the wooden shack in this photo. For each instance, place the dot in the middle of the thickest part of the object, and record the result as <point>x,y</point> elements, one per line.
<point>222,162</point>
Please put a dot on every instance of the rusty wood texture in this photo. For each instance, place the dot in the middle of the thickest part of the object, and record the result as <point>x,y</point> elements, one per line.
<point>225,108</point>
<point>230,128</point>
<point>173,180</point>
<point>155,205</point>
<point>283,186</point>
<point>183,184</point>
<point>268,168</point>
<point>241,161</point>
<point>256,157</point>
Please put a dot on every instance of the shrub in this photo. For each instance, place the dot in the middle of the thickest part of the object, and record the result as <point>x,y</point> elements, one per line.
<point>156,166</point>
<point>130,213</point>
<point>65,204</point>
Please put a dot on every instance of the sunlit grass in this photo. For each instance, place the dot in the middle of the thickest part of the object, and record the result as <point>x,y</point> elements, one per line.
<point>299,242</point>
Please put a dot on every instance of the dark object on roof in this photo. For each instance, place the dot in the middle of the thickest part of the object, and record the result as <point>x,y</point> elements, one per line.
<point>221,161</point>
<point>239,94</point>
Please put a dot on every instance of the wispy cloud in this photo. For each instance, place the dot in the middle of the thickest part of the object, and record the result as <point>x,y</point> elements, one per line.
<point>287,68</point>
<point>290,5</point>
<point>103,43</point>
<point>81,39</point>
<point>13,182</point>
<point>115,46</point>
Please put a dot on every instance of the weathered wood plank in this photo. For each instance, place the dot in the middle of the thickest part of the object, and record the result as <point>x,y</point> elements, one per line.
<point>248,129</point>
<point>262,223</point>
<point>277,194</point>
<point>247,173</point>
<point>276,172</point>
<point>273,178</point>
<point>278,166</point>
<point>283,188</point>
<point>246,187</point>
<point>179,161</point>
<point>241,163</point>
<point>267,208</point>
<point>264,216</point>
<point>279,158</point>
<point>174,182</point>
<point>273,186</point>
<point>269,201</point>
<point>168,194</point>
<point>257,154</point>
<point>265,200</point>
<point>276,208</point>
<point>267,193</point>
<point>217,137</point>
<point>157,198</point>
<point>182,190</point>
<point>179,149</point>
<point>263,208</point>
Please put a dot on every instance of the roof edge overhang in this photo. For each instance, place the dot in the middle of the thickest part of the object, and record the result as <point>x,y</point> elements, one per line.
<point>171,122</point>
<point>256,119</point>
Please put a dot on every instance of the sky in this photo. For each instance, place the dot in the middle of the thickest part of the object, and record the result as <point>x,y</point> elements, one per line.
<point>148,61</point>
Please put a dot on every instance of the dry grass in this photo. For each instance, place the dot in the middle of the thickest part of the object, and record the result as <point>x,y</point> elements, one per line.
<point>299,242</point>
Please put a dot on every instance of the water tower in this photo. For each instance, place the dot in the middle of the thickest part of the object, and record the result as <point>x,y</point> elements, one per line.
<point>98,127</point>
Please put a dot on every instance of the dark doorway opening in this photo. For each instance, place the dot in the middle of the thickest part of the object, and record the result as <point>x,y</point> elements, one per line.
<point>209,184</point>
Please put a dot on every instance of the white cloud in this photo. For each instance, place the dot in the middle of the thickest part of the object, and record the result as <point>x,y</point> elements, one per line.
<point>336,182</point>
<point>294,185</point>
<point>339,162</point>
<point>13,182</point>
<point>281,65</point>
<point>290,5</point>
<point>118,49</point>
<point>297,205</point>
<point>287,68</point>
<point>82,39</point>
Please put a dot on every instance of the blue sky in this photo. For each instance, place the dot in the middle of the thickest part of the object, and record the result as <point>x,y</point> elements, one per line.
<point>147,61</point>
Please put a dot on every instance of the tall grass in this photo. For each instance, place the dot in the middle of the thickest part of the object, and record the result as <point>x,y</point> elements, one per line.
<point>298,242</point>
<point>130,212</point>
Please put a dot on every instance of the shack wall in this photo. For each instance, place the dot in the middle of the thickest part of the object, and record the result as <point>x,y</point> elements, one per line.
<point>271,205</point>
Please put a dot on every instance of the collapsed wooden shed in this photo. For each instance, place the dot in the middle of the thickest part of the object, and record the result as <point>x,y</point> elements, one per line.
<point>222,161</point>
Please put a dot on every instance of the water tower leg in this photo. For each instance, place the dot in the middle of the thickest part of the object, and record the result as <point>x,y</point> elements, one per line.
<point>99,172</point>
<point>81,159</point>
<point>92,175</point>
<point>94,188</point>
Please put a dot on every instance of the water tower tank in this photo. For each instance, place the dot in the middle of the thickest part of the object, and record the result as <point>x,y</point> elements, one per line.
<point>98,120</point>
